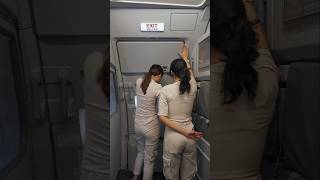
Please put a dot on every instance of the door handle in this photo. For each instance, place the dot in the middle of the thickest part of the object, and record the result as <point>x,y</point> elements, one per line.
<point>37,104</point>
<point>64,93</point>
<point>207,121</point>
<point>121,91</point>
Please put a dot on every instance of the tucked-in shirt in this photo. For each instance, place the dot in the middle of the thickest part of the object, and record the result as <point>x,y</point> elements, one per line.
<point>176,106</point>
<point>146,103</point>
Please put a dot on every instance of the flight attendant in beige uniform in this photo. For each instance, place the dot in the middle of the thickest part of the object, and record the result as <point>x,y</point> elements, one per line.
<point>175,107</point>
<point>244,88</point>
<point>95,157</point>
<point>146,122</point>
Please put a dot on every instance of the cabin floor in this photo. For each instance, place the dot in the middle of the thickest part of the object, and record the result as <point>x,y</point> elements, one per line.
<point>127,175</point>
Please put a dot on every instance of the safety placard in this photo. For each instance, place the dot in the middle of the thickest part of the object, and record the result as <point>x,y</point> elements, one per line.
<point>152,27</point>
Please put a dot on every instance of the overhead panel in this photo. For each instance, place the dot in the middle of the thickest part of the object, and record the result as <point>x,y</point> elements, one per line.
<point>70,17</point>
<point>183,21</point>
<point>186,3</point>
<point>138,56</point>
<point>11,5</point>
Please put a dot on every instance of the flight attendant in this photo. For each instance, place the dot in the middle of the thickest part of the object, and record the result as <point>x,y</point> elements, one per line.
<point>146,122</point>
<point>175,107</point>
<point>244,90</point>
<point>95,155</point>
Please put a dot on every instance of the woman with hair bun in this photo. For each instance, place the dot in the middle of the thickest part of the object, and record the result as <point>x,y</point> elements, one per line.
<point>175,107</point>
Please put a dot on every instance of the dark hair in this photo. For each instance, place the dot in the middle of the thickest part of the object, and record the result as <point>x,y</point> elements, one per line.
<point>179,68</point>
<point>103,75</point>
<point>155,70</point>
<point>235,39</point>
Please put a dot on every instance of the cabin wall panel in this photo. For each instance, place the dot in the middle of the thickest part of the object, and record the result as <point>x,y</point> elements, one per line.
<point>71,53</point>
<point>295,38</point>
<point>11,5</point>
<point>71,17</point>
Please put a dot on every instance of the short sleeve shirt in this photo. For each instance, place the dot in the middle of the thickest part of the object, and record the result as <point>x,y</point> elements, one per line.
<point>175,105</point>
<point>146,103</point>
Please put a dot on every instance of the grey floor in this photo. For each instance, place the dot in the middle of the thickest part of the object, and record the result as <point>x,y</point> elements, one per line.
<point>127,175</point>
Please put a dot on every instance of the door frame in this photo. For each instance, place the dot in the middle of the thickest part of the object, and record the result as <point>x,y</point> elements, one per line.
<point>115,134</point>
<point>8,28</point>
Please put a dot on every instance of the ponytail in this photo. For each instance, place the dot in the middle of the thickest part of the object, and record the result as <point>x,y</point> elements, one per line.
<point>184,81</point>
<point>155,70</point>
<point>145,83</point>
<point>179,68</point>
<point>237,42</point>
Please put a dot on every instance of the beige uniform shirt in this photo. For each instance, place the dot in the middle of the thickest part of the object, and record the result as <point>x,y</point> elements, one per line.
<point>146,103</point>
<point>96,147</point>
<point>239,130</point>
<point>177,107</point>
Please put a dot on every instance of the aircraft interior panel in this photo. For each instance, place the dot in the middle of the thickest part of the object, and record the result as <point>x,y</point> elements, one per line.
<point>64,58</point>
<point>200,118</point>
<point>115,125</point>
<point>174,3</point>
<point>183,21</point>
<point>128,38</point>
<point>203,160</point>
<point>294,37</point>
<point>133,66</point>
<point>293,28</point>
<point>11,120</point>
<point>12,5</point>
<point>155,52</point>
<point>129,31</point>
<point>125,23</point>
<point>15,152</point>
<point>202,102</point>
<point>71,19</point>
<point>202,56</point>
<point>50,51</point>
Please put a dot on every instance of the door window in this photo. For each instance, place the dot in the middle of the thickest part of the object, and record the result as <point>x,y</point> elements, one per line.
<point>113,94</point>
<point>10,136</point>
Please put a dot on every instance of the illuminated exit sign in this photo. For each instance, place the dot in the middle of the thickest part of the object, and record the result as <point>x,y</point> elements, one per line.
<point>152,27</point>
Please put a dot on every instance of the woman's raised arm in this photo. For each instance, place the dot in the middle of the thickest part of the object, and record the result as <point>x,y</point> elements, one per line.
<point>185,56</point>
<point>256,24</point>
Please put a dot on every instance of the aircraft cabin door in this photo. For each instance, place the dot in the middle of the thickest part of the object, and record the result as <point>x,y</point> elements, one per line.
<point>135,59</point>
<point>115,125</point>
<point>15,149</point>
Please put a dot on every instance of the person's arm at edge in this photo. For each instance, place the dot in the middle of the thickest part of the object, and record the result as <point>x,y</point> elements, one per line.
<point>185,56</point>
<point>171,124</point>
<point>158,89</point>
<point>252,17</point>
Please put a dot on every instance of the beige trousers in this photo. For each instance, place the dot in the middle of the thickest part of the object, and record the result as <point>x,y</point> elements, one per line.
<point>147,137</point>
<point>179,155</point>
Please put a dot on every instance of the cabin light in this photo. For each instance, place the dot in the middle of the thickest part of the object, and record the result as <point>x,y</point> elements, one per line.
<point>167,3</point>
